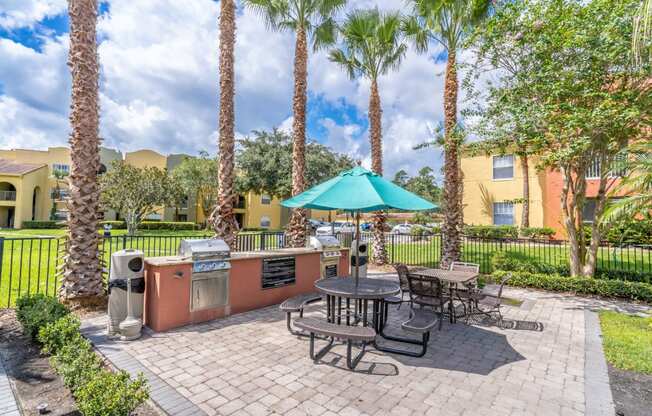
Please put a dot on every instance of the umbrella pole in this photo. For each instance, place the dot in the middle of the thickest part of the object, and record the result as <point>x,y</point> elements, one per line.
<point>357,246</point>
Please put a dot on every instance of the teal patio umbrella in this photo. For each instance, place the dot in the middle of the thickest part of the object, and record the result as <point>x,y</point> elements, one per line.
<point>358,190</point>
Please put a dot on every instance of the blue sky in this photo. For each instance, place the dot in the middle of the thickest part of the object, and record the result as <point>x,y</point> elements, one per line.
<point>159,84</point>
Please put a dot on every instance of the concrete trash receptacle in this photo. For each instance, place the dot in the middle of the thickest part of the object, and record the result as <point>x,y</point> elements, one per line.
<point>363,250</point>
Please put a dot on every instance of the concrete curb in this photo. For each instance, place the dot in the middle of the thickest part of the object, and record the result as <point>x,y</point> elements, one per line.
<point>597,391</point>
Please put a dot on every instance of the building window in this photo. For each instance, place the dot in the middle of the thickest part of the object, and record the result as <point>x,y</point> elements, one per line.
<point>503,167</point>
<point>503,213</point>
<point>61,168</point>
<point>588,212</point>
<point>265,199</point>
<point>265,221</point>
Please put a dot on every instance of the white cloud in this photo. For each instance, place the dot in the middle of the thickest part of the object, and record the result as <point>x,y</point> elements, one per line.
<point>159,84</point>
<point>24,13</point>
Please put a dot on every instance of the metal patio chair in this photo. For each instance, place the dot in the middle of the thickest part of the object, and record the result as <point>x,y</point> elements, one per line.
<point>427,292</point>
<point>489,299</point>
<point>463,293</point>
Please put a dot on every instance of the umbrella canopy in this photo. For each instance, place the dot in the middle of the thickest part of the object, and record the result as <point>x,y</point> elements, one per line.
<point>358,190</point>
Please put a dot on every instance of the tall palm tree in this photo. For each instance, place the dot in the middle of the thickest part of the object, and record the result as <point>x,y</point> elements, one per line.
<point>307,18</point>
<point>449,22</point>
<point>223,217</point>
<point>82,273</point>
<point>372,46</point>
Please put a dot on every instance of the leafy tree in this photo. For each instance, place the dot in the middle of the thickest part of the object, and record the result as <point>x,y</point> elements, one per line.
<point>589,101</point>
<point>137,192</point>
<point>223,216</point>
<point>401,178</point>
<point>307,18</point>
<point>450,23</point>
<point>425,185</point>
<point>196,177</point>
<point>82,273</point>
<point>264,163</point>
<point>372,46</point>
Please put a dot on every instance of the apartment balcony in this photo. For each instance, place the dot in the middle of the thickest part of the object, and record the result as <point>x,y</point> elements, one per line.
<point>7,195</point>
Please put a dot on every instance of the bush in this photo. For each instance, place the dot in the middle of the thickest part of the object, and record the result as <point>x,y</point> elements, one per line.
<point>630,232</point>
<point>511,261</point>
<point>111,394</point>
<point>49,224</point>
<point>491,231</point>
<point>168,225</point>
<point>76,363</point>
<point>56,335</point>
<point>38,310</point>
<point>600,287</point>
<point>115,225</point>
<point>537,232</point>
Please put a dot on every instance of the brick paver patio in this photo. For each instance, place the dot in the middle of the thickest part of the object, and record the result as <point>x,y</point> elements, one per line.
<point>248,364</point>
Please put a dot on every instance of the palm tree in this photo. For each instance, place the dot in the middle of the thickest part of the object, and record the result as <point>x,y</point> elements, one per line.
<point>82,273</point>
<point>307,18</point>
<point>373,45</point>
<point>637,185</point>
<point>449,22</point>
<point>223,217</point>
<point>642,39</point>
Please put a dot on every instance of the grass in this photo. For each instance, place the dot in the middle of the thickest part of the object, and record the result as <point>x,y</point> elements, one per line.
<point>627,341</point>
<point>29,264</point>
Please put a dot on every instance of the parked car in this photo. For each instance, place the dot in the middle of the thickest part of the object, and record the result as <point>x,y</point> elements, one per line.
<point>336,227</point>
<point>402,228</point>
<point>314,224</point>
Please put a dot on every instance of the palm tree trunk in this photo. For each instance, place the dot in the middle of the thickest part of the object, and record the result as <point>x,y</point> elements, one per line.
<point>525,169</point>
<point>82,277</point>
<point>223,218</point>
<point>452,199</point>
<point>379,253</point>
<point>298,220</point>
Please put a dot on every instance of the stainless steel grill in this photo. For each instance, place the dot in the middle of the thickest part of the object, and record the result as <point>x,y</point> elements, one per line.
<point>210,272</point>
<point>330,256</point>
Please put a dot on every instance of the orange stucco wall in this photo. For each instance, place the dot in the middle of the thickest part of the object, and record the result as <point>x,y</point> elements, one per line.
<point>552,215</point>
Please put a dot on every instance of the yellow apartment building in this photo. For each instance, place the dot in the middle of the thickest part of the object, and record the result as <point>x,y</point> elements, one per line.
<point>493,189</point>
<point>29,189</point>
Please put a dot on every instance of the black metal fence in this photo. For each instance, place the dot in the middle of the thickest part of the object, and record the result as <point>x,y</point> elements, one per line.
<point>29,265</point>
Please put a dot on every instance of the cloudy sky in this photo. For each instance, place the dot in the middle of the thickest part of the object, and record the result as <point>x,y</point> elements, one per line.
<point>159,82</point>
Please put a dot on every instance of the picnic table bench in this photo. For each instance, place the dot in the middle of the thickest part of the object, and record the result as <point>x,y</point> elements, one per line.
<point>296,304</point>
<point>314,326</point>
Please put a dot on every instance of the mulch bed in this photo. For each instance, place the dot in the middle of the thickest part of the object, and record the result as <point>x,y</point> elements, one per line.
<point>33,379</point>
<point>632,392</point>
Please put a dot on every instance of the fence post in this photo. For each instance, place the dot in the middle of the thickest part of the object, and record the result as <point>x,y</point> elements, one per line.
<point>124,242</point>
<point>262,241</point>
<point>2,252</point>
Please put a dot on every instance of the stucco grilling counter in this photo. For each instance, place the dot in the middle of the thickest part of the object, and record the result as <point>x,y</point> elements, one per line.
<point>168,284</point>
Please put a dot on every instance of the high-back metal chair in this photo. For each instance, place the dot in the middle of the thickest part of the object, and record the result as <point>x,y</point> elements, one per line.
<point>402,271</point>
<point>463,293</point>
<point>427,292</point>
<point>460,266</point>
<point>489,299</point>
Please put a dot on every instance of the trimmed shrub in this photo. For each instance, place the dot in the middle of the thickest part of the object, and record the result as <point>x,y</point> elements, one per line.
<point>511,261</point>
<point>491,231</point>
<point>43,225</point>
<point>56,335</point>
<point>168,225</point>
<point>600,287</point>
<point>76,363</point>
<point>537,232</point>
<point>115,225</point>
<point>111,394</point>
<point>38,310</point>
<point>631,232</point>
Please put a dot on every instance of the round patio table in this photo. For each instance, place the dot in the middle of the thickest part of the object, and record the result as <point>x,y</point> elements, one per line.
<point>361,292</point>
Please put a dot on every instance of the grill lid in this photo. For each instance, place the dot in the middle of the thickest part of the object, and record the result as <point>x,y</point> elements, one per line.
<point>209,248</point>
<point>324,242</point>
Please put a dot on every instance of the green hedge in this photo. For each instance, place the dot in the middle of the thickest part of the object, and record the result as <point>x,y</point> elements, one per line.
<point>97,391</point>
<point>491,231</point>
<point>154,225</point>
<point>510,261</point>
<point>43,225</point>
<point>582,285</point>
<point>537,232</point>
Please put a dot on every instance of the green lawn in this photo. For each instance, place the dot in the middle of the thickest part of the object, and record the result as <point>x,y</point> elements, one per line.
<point>29,263</point>
<point>627,341</point>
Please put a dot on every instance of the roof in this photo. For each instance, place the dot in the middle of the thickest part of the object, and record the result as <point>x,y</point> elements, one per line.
<point>9,167</point>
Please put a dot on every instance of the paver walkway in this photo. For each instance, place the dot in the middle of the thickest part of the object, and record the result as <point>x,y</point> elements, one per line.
<point>248,364</point>
<point>8,405</point>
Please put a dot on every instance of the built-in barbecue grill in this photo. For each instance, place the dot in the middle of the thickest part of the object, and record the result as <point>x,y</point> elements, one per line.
<point>330,256</point>
<point>278,271</point>
<point>210,272</point>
